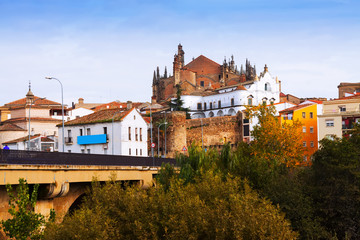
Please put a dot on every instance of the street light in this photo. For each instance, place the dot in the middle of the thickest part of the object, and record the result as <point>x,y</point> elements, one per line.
<point>202,135</point>
<point>159,135</point>
<point>30,119</point>
<point>112,131</point>
<point>62,108</point>
<point>151,130</point>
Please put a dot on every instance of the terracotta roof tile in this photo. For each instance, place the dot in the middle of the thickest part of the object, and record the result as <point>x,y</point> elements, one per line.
<point>115,104</point>
<point>232,82</point>
<point>203,65</point>
<point>40,102</point>
<point>282,94</point>
<point>215,85</point>
<point>295,108</point>
<point>10,127</point>
<point>32,119</point>
<point>240,87</point>
<point>105,115</point>
<point>22,139</point>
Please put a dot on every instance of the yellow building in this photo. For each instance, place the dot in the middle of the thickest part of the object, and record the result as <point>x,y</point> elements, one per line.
<point>307,115</point>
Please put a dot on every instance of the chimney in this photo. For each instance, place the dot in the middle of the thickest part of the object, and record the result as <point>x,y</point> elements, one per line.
<point>81,101</point>
<point>129,105</point>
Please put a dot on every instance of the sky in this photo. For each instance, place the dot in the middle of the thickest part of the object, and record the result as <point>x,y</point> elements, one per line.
<point>106,50</point>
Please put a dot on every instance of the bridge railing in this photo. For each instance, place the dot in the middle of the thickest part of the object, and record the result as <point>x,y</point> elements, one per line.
<point>59,158</point>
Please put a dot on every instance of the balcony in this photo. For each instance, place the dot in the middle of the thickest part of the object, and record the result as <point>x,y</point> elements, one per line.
<point>68,140</point>
<point>92,139</point>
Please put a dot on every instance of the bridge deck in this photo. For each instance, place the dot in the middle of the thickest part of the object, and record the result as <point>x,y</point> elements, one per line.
<point>19,157</point>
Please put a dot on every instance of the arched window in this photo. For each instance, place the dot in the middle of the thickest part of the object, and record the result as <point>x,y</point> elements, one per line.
<point>267,87</point>
<point>250,100</point>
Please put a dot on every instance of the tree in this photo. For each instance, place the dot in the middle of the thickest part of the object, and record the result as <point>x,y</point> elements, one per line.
<point>211,207</point>
<point>336,185</point>
<point>276,143</point>
<point>25,223</point>
<point>177,103</point>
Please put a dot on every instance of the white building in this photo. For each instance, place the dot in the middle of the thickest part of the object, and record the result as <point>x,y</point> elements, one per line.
<point>229,100</point>
<point>110,131</point>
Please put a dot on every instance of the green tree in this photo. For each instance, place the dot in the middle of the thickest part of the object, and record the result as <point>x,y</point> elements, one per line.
<point>177,103</point>
<point>336,185</point>
<point>25,223</point>
<point>210,207</point>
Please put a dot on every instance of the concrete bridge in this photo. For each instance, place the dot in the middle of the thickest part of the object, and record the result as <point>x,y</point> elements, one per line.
<point>64,177</point>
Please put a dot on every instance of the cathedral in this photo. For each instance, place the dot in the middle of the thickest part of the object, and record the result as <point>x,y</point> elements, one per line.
<point>199,76</point>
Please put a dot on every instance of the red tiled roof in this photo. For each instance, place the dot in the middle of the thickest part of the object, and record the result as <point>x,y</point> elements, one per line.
<point>115,104</point>
<point>215,85</point>
<point>232,82</point>
<point>357,95</point>
<point>282,94</point>
<point>295,108</point>
<point>46,139</point>
<point>23,139</point>
<point>32,119</point>
<point>203,65</point>
<point>240,87</point>
<point>22,101</point>
<point>105,115</point>
<point>10,127</point>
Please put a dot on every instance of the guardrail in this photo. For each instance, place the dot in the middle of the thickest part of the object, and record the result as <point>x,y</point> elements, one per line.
<point>59,158</point>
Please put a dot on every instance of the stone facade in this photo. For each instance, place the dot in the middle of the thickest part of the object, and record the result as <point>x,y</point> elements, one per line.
<point>348,88</point>
<point>182,132</point>
<point>201,74</point>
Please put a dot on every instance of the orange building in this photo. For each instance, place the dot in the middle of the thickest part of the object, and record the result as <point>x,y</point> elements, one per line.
<point>307,115</point>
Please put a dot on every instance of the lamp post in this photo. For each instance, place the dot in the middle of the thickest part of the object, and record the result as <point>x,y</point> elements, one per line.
<point>151,130</point>
<point>159,135</point>
<point>30,119</point>
<point>62,109</point>
<point>202,135</point>
<point>112,131</point>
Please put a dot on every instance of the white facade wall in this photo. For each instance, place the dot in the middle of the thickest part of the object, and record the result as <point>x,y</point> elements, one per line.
<point>118,137</point>
<point>256,90</point>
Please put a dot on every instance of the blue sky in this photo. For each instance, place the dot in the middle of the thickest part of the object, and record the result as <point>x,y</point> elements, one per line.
<point>105,50</point>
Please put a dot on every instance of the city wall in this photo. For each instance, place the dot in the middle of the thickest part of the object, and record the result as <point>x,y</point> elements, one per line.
<point>209,132</point>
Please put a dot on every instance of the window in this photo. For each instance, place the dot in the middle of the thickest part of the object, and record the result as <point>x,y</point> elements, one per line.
<point>129,133</point>
<point>304,143</point>
<point>303,115</point>
<point>266,86</point>
<point>249,101</point>
<point>105,151</point>
<point>342,108</point>
<point>211,105</point>
<point>105,130</point>
<point>88,151</point>
<point>136,134</point>
<point>199,106</point>
<point>69,133</point>
<point>264,102</point>
<point>69,151</point>
<point>329,122</point>
<point>311,144</point>
<point>219,77</point>
<point>140,152</point>
<point>81,132</point>
<point>82,150</point>
<point>311,129</point>
<point>205,106</point>
<point>88,131</point>
<point>140,134</point>
<point>232,102</point>
<point>219,104</point>
<point>130,151</point>
<point>136,152</point>
<point>134,117</point>
<point>311,115</point>
<point>304,129</point>
<point>202,83</point>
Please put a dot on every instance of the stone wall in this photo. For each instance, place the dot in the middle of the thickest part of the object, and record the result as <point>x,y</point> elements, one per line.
<point>214,132</point>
